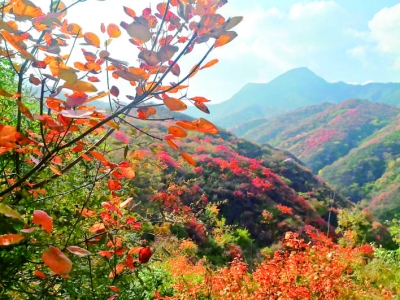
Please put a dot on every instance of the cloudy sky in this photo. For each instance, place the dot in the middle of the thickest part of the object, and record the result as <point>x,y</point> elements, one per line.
<point>355,41</point>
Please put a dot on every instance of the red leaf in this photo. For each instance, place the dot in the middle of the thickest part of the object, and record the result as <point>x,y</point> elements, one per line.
<point>57,261</point>
<point>145,254</point>
<point>43,219</point>
<point>188,159</point>
<point>9,239</point>
<point>78,251</point>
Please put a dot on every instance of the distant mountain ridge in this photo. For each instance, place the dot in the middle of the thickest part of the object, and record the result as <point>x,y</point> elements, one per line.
<point>294,89</point>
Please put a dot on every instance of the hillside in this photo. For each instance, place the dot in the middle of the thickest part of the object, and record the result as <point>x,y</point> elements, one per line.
<point>326,134</point>
<point>293,89</point>
<point>250,182</point>
<point>371,171</point>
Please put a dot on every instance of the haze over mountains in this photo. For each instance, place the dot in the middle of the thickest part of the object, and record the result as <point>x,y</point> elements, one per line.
<point>293,89</point>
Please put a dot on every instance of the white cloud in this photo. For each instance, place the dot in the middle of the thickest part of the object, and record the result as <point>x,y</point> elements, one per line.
<point>385,29</point>
<point>313,9</point>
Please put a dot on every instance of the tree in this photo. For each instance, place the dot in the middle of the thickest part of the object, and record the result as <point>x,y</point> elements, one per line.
<point>52,139</point>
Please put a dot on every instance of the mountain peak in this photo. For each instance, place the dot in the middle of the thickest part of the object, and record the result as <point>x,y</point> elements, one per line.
<point>298,76</point>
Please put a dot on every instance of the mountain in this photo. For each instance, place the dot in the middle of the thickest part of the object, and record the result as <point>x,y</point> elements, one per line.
<point>371,172</point>
<point>263,189</point>
<point>293,89</point>
<point>319,135</point>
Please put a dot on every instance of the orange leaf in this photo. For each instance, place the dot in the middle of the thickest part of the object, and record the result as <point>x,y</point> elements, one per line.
<point>43,219</point>
<point>92,39</point>
<point>57,261</point>
<point>200,99</point>
<point>55,170</point>
<point>78,251</point>
<point>114,288</point>
<point>210,64</point>
<point>97,228</point>
<point>9,239</point>
<point>130,12</point>
<point>172,144</point>
<point>128,172</point>
<point>225,38</point>
<point>177,131</point>
<point>205,126</point>
<point>118,270</point>
<point>39,274</point>
<point>114,185</point>
<point>81,86</point>
<point>135,250</point>
<point>4,93</point>
<point>188,159</point>
<point>113,31</point>
<point>174,104</point>
<point>97,156</point>
<point>186,124</point>
<point>106,254</point>
<point>126,202</point>
<point>24,110</point>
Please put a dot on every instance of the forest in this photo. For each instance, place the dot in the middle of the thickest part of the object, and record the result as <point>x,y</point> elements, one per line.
<point>108,190</point>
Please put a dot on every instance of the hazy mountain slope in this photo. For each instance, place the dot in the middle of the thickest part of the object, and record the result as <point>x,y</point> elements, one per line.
<point>325,137</point>
<point>293,89</point>
<point>370,171</point>
<point>269,130</point>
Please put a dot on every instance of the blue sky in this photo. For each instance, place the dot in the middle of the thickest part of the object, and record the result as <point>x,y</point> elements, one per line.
<point>355,41</point>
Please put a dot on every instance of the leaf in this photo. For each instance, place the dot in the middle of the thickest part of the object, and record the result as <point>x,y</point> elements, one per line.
<point>114,185</point>
<point>172,144</point>
<point>145,254</point>
<point>9,212</point>
<point>78,251</point>
<point>225,38</point>
<point>113,31</point>
<point>5,93</point>
<point>149,57</point>
<point>76,114</point>
<point>76,99</point>
<point>139,31</point>
<point>200,99</point>
<point>174,104</point>
<point>55,170</point>
<point>126,202</point>
<point>128,172</point>
<point>41,218</point>
<point>24,110</point>
<point>188,159</point>
<point>39,274</point>
<point>98,156</point>
<point>232,22</point>
<point>9,239</point>
<point>166,52</point>
<point>118,270</point>
<point>186,124</point>
<point>106,254</point>
<point>92,39</point>
<point>205,126</point>
<point>114,91</point>
<point>34,80</point>
<point>130,12</point>
<point>135,250</point>
<point>177,131</point>
<point>57,261</point>
<point>201,106</point>
<point>81,86</point>
<point>210,64</point>
<point>97,228</point>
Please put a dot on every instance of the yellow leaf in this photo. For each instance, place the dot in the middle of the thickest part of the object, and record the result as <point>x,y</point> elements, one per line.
<point>81,86</point>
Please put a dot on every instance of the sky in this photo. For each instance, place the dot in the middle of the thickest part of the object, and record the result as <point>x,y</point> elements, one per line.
<point>355,41</point>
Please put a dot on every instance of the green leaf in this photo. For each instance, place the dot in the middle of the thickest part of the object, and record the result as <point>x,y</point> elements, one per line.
<point>9,212</point>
